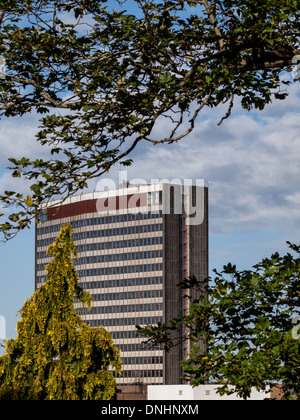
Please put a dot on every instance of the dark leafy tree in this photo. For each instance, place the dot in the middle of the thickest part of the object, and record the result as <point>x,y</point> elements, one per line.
<point>249,323</point>
<point>55,355</point>
<point>104,73</point>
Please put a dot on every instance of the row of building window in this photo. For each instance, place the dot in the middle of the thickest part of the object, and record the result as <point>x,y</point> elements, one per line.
<point>119,257</point>
<point>119,322</point>
<point>119,335</point>
<point>138,374</point>
<point>127,256</point>
<point>128,230</point>
<point>142,360</point>
<point>105,271</point>
<point>98,259</point>
<point>138,347</point>
<point>119,218</point>
<point>127,243</point>
<point>100,246</point>
<point>116,309</point>
<point>140,294</point>
<point>107,244</point>
<point>105,284</point>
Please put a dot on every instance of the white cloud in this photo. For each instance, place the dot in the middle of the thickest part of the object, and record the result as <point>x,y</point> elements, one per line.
<point>17,139</point>
<point>8,183</point>
<point>251,161</point>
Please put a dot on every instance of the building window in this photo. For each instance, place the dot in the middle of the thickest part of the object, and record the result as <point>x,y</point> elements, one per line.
<point>42,217</point>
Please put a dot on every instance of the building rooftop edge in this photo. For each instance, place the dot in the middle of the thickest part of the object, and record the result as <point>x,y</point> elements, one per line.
<point>122,190</point>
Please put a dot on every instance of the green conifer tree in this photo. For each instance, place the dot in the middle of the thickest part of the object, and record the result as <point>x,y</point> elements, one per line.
<point>55,355</point>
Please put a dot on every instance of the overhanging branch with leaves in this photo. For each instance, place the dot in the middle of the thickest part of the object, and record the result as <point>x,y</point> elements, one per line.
<point>106,77</point>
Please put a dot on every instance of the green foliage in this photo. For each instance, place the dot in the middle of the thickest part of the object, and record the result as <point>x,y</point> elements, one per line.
<point>105,72</point>
<point>55,355</point>
<point>246,324</point>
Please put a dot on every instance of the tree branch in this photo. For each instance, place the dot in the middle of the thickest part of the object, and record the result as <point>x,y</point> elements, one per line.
<point>173,139</point>
<point>217,30</point>
<point>2,13</point>
<point>271,60</point>
<point>50,101</point>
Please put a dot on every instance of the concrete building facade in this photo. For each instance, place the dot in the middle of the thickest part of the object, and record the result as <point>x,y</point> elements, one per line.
<point>198,393</point>
<point>135,245</point>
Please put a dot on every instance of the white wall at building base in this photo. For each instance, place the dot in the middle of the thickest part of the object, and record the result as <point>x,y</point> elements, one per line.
<point>202,392</point>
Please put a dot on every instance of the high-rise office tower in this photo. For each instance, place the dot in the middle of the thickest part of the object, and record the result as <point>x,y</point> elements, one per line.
<point>135,245</point>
